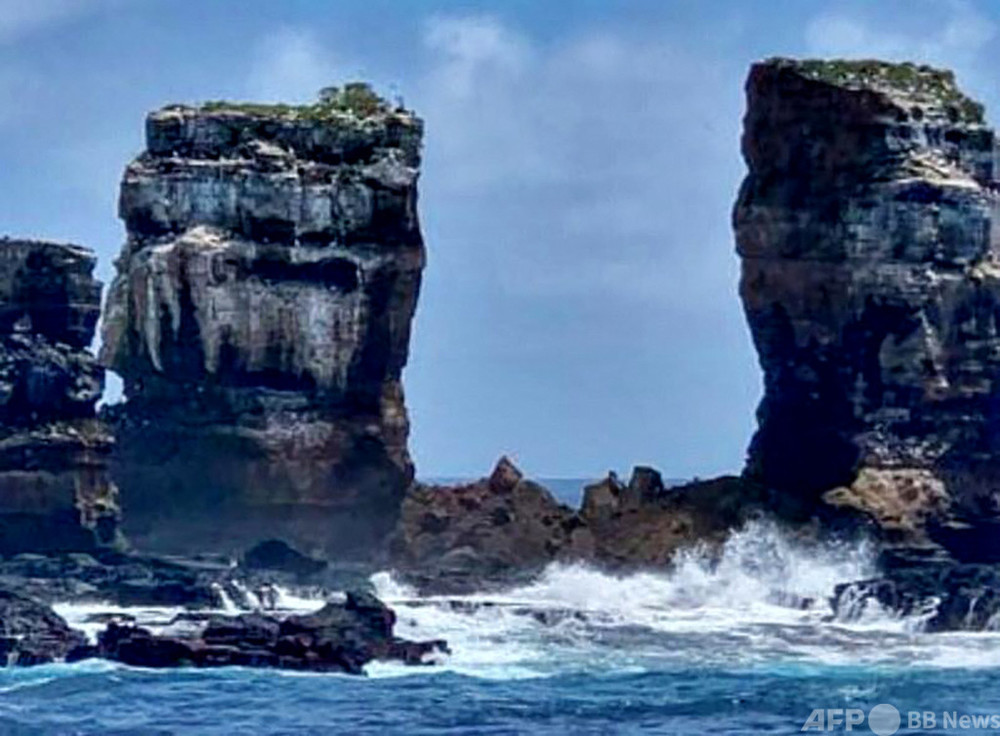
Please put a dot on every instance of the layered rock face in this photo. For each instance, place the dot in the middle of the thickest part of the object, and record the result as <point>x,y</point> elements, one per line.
<point>867,228</point>
<point>260,320</point>
<point>55,491</point>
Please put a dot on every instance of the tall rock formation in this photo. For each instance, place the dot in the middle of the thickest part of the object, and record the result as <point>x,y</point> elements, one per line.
<point>867,228</point>
<point>55,492</point>
<point>260,320</point>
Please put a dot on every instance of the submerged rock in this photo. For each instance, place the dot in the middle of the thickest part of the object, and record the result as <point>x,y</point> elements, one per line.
<point>867,229</point>
<point>55,491</point>
<point>340,637</point>
<point>260,320</point>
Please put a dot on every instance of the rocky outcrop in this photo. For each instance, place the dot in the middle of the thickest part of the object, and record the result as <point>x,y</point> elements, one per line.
<point>274,555</point>
<point>498,530</point>
<point>644,524</point>
<point>867,229</point>
<point>260,320</point>
<point>340,637</point>
<point>110,576</point>
<point>927,587</point>
<point>31,633</point>
<point>505,529</point>
<point>55,492</point>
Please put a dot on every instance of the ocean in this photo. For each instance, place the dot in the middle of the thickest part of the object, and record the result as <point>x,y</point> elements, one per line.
<point>741,644</point>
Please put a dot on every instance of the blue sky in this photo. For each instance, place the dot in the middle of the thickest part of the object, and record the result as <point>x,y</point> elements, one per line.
<point>579,309</point>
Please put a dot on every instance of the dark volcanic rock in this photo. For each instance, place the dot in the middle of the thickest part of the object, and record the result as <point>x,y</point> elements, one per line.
<point>126,580</point>
<point>31,633</point>
<point>275,555</point>
<point>946,596</point>
<point>644,523</point>
<point>499,529</point>
<point>340,637</point>
<point>260,320</point>
<point>55,492</point>
<point>503,530</point>
<point>871,282</point>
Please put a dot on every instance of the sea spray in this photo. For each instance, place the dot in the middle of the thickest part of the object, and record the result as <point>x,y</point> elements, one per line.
<point>762,599</point>
<point>716,642</point>
<point>764,594</point>
<point>758,566</point>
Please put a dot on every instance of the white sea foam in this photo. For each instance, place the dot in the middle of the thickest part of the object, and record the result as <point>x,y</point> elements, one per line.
<point>80,615</point>
<point>228,606</point>
<point>762,601</point>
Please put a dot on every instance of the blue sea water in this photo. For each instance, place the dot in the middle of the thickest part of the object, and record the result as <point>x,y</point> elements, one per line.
<point>93,699</point>
<point>739,644</point>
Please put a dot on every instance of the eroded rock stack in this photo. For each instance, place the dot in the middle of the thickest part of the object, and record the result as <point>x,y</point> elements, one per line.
<point>867,228</point>
<point>55,491</point>
<point>261,318</point>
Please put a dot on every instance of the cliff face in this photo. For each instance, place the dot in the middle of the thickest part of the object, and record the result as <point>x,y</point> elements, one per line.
<point>260,320</point>
<point>55,493</point>
<point>867,228</point>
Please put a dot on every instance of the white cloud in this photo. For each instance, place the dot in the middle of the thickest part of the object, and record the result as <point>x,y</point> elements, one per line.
<point>18,91</point>
<point>567,162</point>
<point>18,17</point>
<point>598,160</point>
<point>953,39</point>
<point>22,17</point>
<point>291,66</point>
<point>473,46</point>
<point>20,88</point>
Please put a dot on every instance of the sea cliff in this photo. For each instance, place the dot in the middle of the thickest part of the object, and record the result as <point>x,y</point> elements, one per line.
<point>260,320</point>
<point>867,232</point>
<point>55,490</point>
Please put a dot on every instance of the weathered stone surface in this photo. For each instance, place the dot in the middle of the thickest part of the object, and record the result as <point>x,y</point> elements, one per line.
<point>497,530</point>
<point>55,492</point>
<point>504,529</point>
<point>340,637</point>
<point>123,579</point>
<point>643,524</point>
<point>260,319</point>
<point>31,633</point>
<point>926,585</point>
<point>275,555</point>
<point>867,229</point>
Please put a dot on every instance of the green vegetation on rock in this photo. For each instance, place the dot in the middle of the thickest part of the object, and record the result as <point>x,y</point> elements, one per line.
<point>919,81</point>
<point>355,99</point>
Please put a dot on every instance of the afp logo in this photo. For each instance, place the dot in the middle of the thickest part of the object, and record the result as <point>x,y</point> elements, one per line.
<point>883,720</point>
